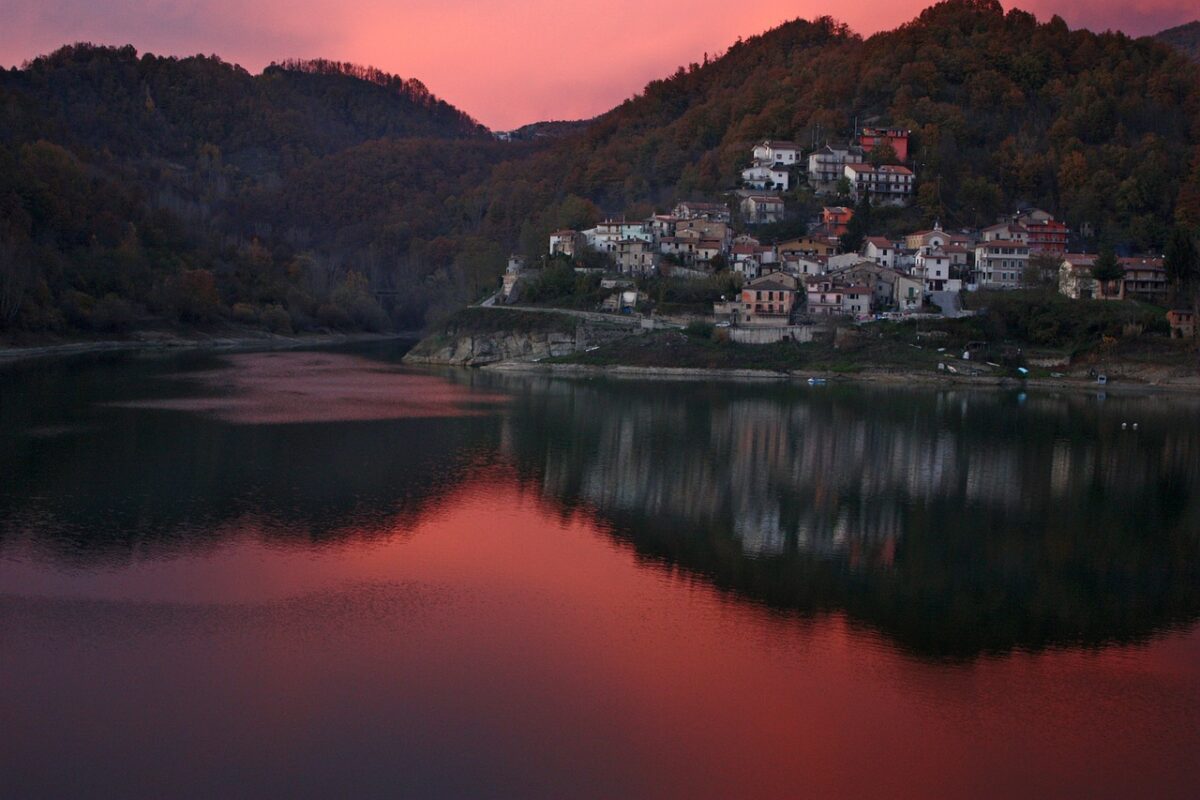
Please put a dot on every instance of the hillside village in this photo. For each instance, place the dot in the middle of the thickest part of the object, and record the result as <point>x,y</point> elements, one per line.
<point>829,271</point>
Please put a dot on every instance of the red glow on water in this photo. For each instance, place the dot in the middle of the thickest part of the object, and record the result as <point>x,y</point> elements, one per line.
<point>295,387</point>
<point>497,645</point>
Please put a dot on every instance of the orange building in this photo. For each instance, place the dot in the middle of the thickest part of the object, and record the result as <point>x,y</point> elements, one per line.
<point>836,218</point>
<point>870,138</point>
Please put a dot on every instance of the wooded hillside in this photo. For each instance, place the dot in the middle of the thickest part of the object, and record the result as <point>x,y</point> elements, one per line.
<point>131,185</point>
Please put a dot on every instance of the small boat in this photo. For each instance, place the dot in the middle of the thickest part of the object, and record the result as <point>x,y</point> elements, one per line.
<point>816,381</point>
<point>1102,379</point>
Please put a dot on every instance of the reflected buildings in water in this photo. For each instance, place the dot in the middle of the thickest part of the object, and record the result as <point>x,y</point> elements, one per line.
<point>956,522</point>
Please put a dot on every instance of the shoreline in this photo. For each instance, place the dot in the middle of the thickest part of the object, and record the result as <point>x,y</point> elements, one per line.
<point>867,375</point>
<point>266,341</point>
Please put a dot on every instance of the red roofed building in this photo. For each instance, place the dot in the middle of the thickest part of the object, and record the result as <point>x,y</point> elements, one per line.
<point>870,138</point>
<point>1047,237</point>
<point>886,186</point>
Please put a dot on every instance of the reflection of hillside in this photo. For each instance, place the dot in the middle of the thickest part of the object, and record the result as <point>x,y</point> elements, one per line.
<point>954,520</point>
<point>124,481</point>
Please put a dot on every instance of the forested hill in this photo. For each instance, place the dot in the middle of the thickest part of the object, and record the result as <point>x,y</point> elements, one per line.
<point>1184,37</point>
<point>111,98</point>
<point>130,186</point>
<point>1101,128</point>
<point>143,190</point>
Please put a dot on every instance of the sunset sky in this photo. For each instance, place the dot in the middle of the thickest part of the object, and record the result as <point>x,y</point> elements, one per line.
<point>506,62</point>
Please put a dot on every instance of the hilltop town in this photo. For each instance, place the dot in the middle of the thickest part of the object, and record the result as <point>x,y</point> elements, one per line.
<point>776,289</point>
<point>717,287</point>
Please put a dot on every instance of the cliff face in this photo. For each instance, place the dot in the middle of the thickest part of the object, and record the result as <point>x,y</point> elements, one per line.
<point>476,349</point>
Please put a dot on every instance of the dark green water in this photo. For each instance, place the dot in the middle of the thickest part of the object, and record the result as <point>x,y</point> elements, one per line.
<point>346,578</point>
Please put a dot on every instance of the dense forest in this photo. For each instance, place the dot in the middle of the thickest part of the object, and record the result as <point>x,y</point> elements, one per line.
<point>136,189</point>
<point>1186,38</point>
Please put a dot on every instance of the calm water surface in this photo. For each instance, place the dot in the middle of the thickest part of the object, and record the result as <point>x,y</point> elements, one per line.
<point>318,574</point>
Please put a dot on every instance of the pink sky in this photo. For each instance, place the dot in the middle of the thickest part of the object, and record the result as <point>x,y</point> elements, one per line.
<point>506,62</point>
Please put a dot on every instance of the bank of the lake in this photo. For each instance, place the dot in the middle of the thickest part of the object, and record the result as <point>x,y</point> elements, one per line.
<point>172,342</point>
<point>565,342</point>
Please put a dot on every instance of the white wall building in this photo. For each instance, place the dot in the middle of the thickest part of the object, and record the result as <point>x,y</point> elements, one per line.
<point>881,251</point>
<point>773,151</point>
<point>826,166</point>
<point>760,209</point>
<point>1000,263</point>
<point>886,185</point>
<point>767,176</point>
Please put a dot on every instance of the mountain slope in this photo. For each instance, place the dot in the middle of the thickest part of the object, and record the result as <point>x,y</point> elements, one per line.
<point>127,182</point>
<point>108,97</point>
<point>1099,127</point>
<point>1186,38</point>
<point>132,177</point>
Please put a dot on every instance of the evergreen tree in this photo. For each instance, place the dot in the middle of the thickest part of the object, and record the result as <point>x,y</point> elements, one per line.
<point>1182,262</point>
<point>1108,272</point>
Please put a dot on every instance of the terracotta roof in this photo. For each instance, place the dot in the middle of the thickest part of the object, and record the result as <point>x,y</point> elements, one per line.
<point>768,286</point>
<point>1148,262</point>
<point>889,169</point>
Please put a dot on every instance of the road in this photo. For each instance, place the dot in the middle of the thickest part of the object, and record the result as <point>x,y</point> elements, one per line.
<point>949,303</point>
<point>630,320</point>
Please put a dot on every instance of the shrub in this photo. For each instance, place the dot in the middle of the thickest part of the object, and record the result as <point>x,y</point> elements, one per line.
<point>332,316</point>
<point>77,307</point>
<point>354,299</point>
<point>244,313</point>
<point>277,320</point>
<point>112,313</point>
<point>699,329</point>
<point>190,295</point>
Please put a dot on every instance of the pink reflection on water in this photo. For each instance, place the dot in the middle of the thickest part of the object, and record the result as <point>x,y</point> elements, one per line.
<point>273,388</point>
<point>496,648</point>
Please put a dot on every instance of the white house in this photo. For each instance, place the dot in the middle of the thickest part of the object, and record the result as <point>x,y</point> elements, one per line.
<point>886,185</point>
<point>805,265</point>
<point>691,209</point>
<point>880,250</point>
<point>828,298</point>
<point>933,268</point>
<point>1006,231</point>
<point>826,166</point>
<point>842,260</point>
<point>759,209</point>
<point>636,256</point>
<point>1000,263</point>
<point>606,235</point>
<point>774,151</point>
<point>766,176</point>
<point>565,241</point>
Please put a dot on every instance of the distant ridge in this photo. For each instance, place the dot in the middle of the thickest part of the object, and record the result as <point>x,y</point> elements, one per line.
<point>1186,38</point>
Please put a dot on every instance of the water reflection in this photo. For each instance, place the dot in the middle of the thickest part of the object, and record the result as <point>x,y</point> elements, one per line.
<point>956,523</point>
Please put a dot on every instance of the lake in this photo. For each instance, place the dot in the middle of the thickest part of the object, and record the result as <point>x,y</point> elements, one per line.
<point>319,574</point>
